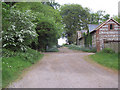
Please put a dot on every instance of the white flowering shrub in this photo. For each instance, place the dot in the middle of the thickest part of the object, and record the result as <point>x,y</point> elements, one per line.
<point>21,30</point>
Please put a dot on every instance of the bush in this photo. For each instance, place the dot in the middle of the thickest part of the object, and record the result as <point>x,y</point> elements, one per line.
<point>58,46</point>
<point>21,30</point>
<point>52,49</point>
<point>108,50</point>
<point>85,49</point>
<point>65,44</point>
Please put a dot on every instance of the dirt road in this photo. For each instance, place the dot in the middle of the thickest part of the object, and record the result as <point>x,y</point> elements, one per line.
<point>66,69</point>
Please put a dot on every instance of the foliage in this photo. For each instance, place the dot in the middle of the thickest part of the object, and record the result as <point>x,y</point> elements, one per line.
<point>38,7</point>
<point>47,32</point>
<point>52,4</point>
<point>106,59</point>
<point>48,23</point>
<point>52,49</point>
<point>75,47</point>
<point>108,50</point>
<point>98,17</point>
<point>5,16</point>
<point>20,31</point>
<point>75,17</point>
<point>87,39</point>
<point>117,18</point>
<point>106,17</point>
<point>10,3</point>
<point>13,63</point>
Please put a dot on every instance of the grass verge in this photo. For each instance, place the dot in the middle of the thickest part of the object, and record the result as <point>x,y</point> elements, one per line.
<point>75,47</point>
<point>13,63</point>
<point>106,59</point>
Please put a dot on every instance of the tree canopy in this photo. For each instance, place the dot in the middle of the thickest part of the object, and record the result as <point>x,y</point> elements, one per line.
<point>117,18</point>
<point>75,17</point>
<point>98,17</point>
<point>41,21</point>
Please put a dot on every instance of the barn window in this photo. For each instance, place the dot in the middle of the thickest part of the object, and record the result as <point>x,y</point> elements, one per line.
<point>111,26</point>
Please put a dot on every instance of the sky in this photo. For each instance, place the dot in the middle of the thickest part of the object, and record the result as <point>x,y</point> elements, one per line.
<point>109,6</point>
<point>62,41</point>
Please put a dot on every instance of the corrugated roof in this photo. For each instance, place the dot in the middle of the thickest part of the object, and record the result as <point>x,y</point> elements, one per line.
<point>92,27</point>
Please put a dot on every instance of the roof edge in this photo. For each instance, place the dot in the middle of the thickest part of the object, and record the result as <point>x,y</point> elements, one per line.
<point>106,22</point>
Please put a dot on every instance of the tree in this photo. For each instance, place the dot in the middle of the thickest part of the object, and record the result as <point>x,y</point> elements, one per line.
<point>20,30</point>
<point>52,4</point>
<point>10,3</point>
<point>48,23</point>
<point>38,7</point>
<point>106,17</point>
<point>117,18</point>
<point>47,31</point>
<point>75,17</point>
<point>98,17</point>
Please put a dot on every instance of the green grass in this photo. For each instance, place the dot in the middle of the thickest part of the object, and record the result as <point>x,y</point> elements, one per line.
<point>106,59</point>
<point>76,47</point>
<point>13,63</point>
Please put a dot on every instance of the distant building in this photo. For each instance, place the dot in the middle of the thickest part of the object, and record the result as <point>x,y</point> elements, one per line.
<point>80,39</point>
<point>105,35</point>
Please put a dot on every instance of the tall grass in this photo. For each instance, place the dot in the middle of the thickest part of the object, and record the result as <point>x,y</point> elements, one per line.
<point>13,63</point>
<point>76,47</point>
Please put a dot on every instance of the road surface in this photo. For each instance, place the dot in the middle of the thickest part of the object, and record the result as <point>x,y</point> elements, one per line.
<point>66,69</point>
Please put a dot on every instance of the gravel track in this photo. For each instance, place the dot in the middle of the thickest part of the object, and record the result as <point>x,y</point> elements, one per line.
<point>66,69</point>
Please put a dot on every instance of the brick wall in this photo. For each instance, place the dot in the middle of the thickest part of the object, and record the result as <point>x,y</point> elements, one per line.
<point>113,45</point>
<point>106,34</point>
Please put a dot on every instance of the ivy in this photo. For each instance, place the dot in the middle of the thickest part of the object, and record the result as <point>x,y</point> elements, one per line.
<point>87,39</point>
